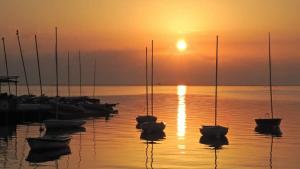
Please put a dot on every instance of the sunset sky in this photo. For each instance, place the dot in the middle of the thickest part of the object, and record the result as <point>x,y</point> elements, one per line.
<point>117,31</point>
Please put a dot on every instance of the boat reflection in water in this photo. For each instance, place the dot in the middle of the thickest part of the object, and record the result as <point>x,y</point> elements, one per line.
<point>215,143</point>
<point>181,113</point>
<point>272,131</point>
<point>7,132</point>
<point>151,139</point>
<point>49,155</point>
<point>153,136</point>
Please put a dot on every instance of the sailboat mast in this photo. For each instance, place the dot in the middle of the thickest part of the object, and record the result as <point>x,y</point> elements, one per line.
<point>79,57</point>
<point>152,77</point>
<point>23,63</point>
<point>6,65</point>
<point>270,75</point>
<point>38,62</point>
<point>147,102</point>
<point>216,85</point>
<point>69,91</point>
<point>56,62</point>
<point>94,89</point>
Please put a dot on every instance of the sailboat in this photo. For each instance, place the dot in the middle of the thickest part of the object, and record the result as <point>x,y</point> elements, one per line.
<point>146,118</point>
<point>57,123</point>
<point>48,142</point>
<point>152,126</point>
<point>215,131</point>
<point>269,122</point>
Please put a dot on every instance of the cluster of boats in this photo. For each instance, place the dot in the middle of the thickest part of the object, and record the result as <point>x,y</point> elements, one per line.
<point>214,134</point>
<point>64,107</point>
<point>151,129</point>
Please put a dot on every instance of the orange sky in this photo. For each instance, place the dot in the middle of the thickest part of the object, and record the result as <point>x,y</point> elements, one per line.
<point>117,31</point>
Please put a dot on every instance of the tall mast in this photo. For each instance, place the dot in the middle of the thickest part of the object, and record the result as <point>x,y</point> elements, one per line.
<point>270,75</point>
<point>94,89</point>
<point>152,77</point>
<point>6,65</point>
<point>216,85</point>
<point>38,62</point>
<point>147,102</point>
<point>69,91</point>
<point>56,62</point>
<point>23,63</point>
<point>79,72</point>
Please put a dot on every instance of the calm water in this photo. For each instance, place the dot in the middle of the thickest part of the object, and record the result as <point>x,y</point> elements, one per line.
<point>116,143</point>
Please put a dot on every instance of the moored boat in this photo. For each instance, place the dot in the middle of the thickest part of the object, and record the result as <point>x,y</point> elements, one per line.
<point>153,127</point>
<point>48,142</point>
<point>56,123</point>
<point>145,118</point>
<point>213,131</point>
<point>269,123</point>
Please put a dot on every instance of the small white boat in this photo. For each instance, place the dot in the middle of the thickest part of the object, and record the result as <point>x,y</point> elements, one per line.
<point>48,142</point>
<point>145,118</point>
<point>56,123</point>
<point>214,131</point>
<point>153,127</point>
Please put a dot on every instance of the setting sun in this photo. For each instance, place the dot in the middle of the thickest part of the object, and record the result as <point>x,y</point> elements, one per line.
<point>181,45</point>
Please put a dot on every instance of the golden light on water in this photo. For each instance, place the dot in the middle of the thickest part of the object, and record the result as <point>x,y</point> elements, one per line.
<point>181,114</point>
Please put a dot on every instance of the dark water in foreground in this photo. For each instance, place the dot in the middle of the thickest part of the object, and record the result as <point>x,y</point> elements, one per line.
<point>116,143</point>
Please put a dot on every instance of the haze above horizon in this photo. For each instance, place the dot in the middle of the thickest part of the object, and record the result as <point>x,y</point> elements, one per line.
<point>116,33</point>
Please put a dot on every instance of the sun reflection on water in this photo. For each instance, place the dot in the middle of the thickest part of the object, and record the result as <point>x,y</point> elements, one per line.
<point>181,114</point>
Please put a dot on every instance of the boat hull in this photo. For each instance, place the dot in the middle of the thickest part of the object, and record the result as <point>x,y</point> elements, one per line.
<point>59,124</point>
<point>214,131</point>
<point>34,107</point>
<point>47,143</point>
<point>153,127</point>
<point>143,119</point>
<point>269,123</point>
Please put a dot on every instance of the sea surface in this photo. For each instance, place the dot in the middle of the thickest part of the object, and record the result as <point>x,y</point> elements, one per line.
<point>116,142</point>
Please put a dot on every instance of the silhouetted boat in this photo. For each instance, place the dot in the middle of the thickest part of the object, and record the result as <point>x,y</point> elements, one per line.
<point>215,131</point>
<point>54,123</point>
<point>64,131</point>
<point>47,155</point>
<point>152,127</point>
<point>146,118</point>
<point>48,142</point>
<point>62,107</point>
<point>269,122</point>
<point>33,107</point>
